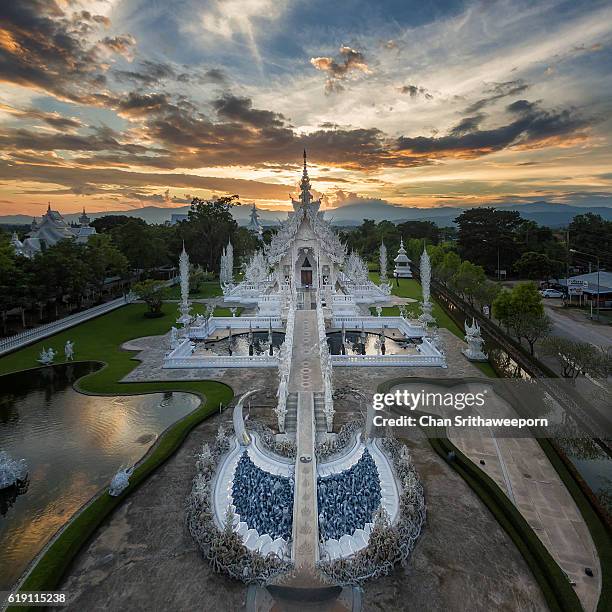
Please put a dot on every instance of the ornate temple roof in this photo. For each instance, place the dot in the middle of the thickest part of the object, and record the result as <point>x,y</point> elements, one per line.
<point>305,209</point>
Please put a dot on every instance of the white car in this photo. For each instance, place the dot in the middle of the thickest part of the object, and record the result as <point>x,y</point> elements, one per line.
<point>551,293</point>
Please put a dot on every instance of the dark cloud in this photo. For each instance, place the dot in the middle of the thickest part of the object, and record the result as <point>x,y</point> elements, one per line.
<point>535,125</point>
<point>337,70</point>
<point>148,73</point>
<point>241,110</point>
<point>123,44</point>
<point>103,179</point>
<point>99,139</point>
<point>497,91</point>
<point>522,106</point>
<point>43,47</point>
<point>53,119</point>
<point>414,90</point>
<point>467,125</point>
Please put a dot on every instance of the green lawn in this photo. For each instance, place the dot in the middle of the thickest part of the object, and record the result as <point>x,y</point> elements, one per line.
<point>411,288</point>
<point>100,339</point>
<point>226,312</point>
<point>207,289</point>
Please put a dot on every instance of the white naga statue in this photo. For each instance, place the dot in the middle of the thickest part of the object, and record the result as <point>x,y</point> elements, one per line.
<point>46,357</point>
<point>475,341</point>
<point>174,336</point>
<point>12,471</point>
<point>69,350</point>
<point>120,482</point>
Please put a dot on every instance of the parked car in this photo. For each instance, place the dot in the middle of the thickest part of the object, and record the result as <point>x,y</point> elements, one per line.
<point>551,293</point>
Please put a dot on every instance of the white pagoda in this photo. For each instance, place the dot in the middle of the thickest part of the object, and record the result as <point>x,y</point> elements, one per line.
<point>402,263</point>
<point>254,223</point>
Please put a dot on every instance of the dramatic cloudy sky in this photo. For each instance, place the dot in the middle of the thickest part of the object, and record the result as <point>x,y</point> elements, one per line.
<point>125,103</point>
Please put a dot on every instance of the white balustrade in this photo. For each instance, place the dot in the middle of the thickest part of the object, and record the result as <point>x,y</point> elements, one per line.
<point>43,331</point>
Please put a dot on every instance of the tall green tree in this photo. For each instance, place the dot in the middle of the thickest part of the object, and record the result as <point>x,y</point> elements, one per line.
<point>485,233</point>
<point>207,230</point>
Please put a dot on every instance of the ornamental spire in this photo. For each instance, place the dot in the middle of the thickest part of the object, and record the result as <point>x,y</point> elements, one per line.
<point>305,195</point>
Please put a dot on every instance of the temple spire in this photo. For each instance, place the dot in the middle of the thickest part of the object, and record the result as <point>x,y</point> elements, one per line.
<point>305,195</point>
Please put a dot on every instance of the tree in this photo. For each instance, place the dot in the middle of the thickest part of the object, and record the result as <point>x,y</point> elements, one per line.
<point>142,244</point>
<point>104,259</point>
<point>110,222</point>
<point>592,234</point>
<point>152,292</point>
<point>486,232</point>
<point>448,267</point>
<point>502,308</point>
<point>532,328</point>
<point>526,300</point>
<point>514,308</point>
<point>538,266</point>
<point>207,230</point>
<point>486,293</point>
<point>467,279</point>
<point>577,358</point>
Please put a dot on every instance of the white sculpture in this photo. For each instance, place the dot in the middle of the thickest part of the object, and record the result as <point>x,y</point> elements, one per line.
<point>383,263</point>
<point>69,350</point>
<point>174,337</point>
<point>239,429</point>
<point>426,317</point>
<point>475,341</point>
<point>184,306</point>
<point>12,471</point>
<point>120,482</point>
<point>256,271</point>
<point>46,356</point>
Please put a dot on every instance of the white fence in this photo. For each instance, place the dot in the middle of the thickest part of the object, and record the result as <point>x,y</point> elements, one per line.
<point>242,323</point>
<point>182,357</point>
<point>405,326</point>
<point>13,343</point>
<point>389,360</point>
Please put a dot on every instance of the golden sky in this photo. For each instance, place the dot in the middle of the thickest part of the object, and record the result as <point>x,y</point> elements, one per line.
<point>119,104</point>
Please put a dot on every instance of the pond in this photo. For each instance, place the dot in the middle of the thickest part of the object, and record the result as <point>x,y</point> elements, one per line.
<point>240,344</point>
<point>73,445</point>
<point>354,345</point>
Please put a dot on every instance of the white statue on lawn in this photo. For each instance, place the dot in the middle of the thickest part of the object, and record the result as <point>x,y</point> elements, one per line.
<point>69,350</point>
<point>475,341</point>
<point>120,481</point>
<point>46,357</point>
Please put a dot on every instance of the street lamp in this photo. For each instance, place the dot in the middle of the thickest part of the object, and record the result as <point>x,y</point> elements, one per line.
<point>597,259</point>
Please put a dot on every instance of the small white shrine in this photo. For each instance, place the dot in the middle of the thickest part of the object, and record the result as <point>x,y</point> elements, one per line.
<point>402,263</point>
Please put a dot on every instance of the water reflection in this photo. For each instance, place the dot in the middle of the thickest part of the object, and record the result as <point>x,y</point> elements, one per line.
<point>355,343</point>
<point>73,445</point>
<point>240,344</point>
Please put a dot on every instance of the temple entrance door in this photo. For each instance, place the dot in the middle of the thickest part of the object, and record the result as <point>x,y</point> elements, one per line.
<point>306,278</point>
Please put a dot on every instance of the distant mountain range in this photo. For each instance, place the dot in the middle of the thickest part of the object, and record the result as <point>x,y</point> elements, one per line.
<point>544,213</point>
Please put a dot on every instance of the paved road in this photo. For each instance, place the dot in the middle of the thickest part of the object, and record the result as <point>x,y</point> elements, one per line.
<point>572,327</point>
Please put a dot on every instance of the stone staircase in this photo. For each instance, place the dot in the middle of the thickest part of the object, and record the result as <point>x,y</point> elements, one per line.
<point>291,416</point>
<point>319,405</point>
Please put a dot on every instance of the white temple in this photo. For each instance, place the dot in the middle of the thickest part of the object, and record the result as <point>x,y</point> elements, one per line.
<point>51,229</point>
<point>402,263</point>
<point>305,254</point>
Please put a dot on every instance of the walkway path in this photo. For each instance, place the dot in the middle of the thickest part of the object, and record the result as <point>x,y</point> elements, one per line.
<point>305,378</point>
